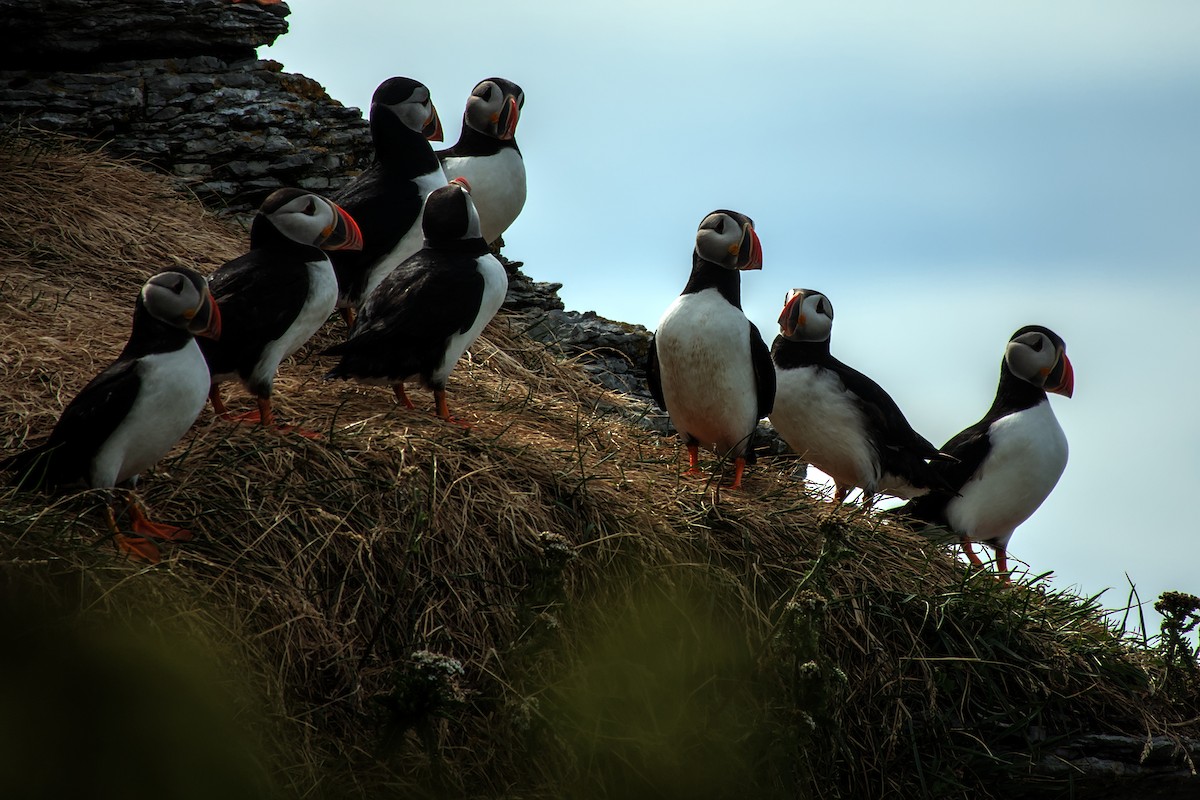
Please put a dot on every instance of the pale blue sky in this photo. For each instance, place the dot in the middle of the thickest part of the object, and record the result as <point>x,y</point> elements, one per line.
<point>944,172</point>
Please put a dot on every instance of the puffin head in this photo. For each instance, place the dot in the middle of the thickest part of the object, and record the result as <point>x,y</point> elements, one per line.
<point>807,316</point>
<point>409,101</point>
<point>728,238</point>
<point>450,215</point>
<point>1039,355</point>
<point>494,108</point>
<point>180,297</point>
<point>311,219</point>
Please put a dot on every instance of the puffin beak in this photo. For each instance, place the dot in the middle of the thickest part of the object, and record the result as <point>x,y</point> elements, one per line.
<point>461,181</point>
<point>207,322</point>
<point>790,319</point>
<point>1062,378</point>
<point>752,247</point>
<point>433,126</point>
<point>343,234</point>
<point>506,120</point>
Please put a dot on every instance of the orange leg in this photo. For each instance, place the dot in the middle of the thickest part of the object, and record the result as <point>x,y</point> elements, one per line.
<point>267,417</point>
<point>214,397</point>
<point>134,547</point>
<point>443,411</point>
<point>402,397</point>
<point>693,459</point>
<point>971,556</point>
<point>840,492</point>
<point>1002,566</point>
<point>739,466</point>
<point>348,316</point>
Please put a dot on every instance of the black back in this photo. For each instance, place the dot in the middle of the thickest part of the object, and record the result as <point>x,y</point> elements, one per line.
<point>260,294</point>
<point>970,447</point>
<point>91,417</point>
<point>901,450</point>
<point>384,200</point>
<point>405,327</point>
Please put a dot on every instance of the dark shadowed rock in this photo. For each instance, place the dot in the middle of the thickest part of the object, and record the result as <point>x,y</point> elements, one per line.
<point>68,34</point>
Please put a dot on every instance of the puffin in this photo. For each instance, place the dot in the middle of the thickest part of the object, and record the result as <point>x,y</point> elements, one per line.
<point>131,414</point>
<point>708,367</point>
<point>486,154</point>
<point>431,308</point>
<point>276,296</point>
<point>836,418</point>
<point>1007,463</point>
<point>387,197</point>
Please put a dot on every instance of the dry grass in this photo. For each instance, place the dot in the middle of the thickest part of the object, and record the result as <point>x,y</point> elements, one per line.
<point>618,633</point>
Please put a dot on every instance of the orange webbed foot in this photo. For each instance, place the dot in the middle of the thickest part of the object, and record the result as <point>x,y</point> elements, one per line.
<point>137,548</point>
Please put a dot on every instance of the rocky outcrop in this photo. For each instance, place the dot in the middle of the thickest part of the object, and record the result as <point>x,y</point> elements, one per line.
<point>63,35</point>
<point>177,83</point>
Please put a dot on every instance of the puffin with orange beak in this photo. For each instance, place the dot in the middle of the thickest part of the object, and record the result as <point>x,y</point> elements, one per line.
<point>1008,462</point>
<point>131,414</point>
<point>487,155</point>
<point>838,419</point>
<point>275,297</point>
<point>387,197</point>
<point>708,366</point>
<point>425,315</point>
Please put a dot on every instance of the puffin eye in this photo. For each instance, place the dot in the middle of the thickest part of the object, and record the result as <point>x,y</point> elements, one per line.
<point>720,226</point>
<point>1037,344</point>
<point>823,308</point>
<point>311,208</point>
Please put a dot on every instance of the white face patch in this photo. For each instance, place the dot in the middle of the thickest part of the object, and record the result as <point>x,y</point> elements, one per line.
<point>1031,356</point>
<point>171,298</point>
<point>308,219</point>
<point>414,111</point>
<point>718,239</point>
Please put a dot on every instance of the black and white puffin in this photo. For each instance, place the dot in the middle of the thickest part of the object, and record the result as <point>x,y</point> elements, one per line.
<point>431,308</point>
<point>387,197</point>
<point>131,414</point>
<point>1008,462</point>
<point>836,418</point>
<point>487,155</point>
<point>275,297</point>
<point>708,366</point>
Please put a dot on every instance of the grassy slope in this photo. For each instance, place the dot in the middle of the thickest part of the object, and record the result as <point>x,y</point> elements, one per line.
<point>539,607</point>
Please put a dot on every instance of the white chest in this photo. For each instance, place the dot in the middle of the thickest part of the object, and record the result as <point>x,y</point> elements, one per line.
<point>497,187</point>
<point>174,387</point>
<point>412,240</point>
<point>707,376</point>
<point>1028,455</point>
<point>823,424</point>
<point>495,287</point>
<point>321,300</point>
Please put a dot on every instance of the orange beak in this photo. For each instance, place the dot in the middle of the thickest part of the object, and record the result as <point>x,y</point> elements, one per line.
<point>345,234</point>
<point>1064,383</point>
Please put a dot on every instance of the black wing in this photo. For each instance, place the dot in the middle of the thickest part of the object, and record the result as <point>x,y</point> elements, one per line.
<point>891,427</point>
<point>405,325</point>
<point>968,448</point>
<point>86,423</point>
<point>764,372</point>
<point>653,376</point>
<point>259,294</point>
<point>385,208</point>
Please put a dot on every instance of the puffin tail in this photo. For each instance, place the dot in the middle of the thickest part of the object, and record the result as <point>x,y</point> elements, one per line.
<point>33,468</point>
